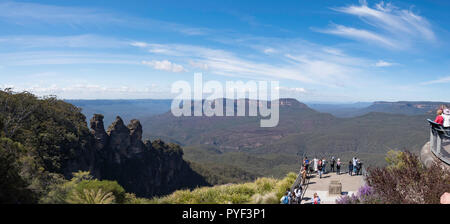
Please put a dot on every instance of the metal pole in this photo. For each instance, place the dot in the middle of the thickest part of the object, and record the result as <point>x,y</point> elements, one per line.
<point>432,140</point>
<point>438,144</point>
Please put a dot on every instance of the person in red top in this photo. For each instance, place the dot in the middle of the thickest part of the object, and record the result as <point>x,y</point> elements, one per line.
<point>439,119</point>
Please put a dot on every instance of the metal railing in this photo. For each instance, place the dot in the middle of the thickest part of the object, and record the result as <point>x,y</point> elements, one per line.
<point>303,183</point>
<point>437,135</point>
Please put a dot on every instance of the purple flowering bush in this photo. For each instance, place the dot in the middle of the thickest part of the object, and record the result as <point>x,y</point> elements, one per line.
<point>353,199</point>
<point>409,182</point>
<point>405,181</point>
<point>365,195</point>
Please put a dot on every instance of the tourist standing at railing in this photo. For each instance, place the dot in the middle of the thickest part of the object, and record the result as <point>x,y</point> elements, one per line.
<point>306,164</point>
<point>293,198</point>
<point>360,164</point>
<point>303,173</point>
<point>355,165</point>
<point>320,168</point>
<point>350,167</point>
<point>439,118</point>
<point>315,164</point>
<point>333,161</point>
<point>446,118</point>
<point>289,195</point>
<point>298,194</point>
<point>338,167</point>
<point>358,167</point>
<point>324,166</point>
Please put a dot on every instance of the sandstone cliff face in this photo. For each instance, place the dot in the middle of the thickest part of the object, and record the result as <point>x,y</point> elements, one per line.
<point>146,169</point>
<point>98,131</point>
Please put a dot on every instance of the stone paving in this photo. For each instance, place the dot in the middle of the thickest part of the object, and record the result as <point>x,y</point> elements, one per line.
<point>350,185</point>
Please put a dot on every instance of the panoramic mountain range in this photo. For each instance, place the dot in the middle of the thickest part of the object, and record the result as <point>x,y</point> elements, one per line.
<point>367,130</point>
<point>148,107</point>
<point>241,142</point>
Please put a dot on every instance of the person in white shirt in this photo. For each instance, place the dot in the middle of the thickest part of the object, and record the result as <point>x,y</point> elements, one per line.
<point>290,196</point>
<point>315,164</point>
<point>355,164</point>
<point>298,194</point>
<point>338,166</point>
<point>446,116</point>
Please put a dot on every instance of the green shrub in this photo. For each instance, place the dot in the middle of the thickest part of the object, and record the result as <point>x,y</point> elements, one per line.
<point>106,186</point>
<point>91,196</point>
<point>264,185</point>
<point>131,198</point>
<point>61,188</point>
<point>285,184</point>
<point>261,191</point>
<point>269,198</point>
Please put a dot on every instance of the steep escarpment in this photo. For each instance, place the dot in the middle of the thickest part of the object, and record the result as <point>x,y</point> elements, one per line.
<point>145,168</point>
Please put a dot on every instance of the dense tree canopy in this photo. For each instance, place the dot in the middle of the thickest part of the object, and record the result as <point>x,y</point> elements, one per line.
<point>14,188</point>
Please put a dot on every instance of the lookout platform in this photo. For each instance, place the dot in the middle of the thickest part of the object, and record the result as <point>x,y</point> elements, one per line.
<point>427,157</point>
<point>438,148</point>
<point>350,185</point>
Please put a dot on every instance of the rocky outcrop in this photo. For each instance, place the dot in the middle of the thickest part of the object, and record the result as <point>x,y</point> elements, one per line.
<point>136,144</point>
<point>119,139</point>
<point>98,131</point>
<point>144,168</point>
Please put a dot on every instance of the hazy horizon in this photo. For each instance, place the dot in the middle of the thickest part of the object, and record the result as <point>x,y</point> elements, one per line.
<point>306,102</point>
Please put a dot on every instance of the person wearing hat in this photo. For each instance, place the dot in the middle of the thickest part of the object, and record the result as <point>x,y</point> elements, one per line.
<point>446,117</point>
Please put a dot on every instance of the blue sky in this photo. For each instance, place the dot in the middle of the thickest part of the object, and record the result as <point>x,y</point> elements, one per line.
<point>324,50</point>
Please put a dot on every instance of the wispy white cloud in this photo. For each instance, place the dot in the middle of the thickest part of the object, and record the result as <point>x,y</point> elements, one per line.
<point>382,63</point>
<point>309,66</point>
<point>437,81</point>
<point>388,17</point>
<point>333,51</point>
<point>165,65</point>
<point>269,50</point>
<point>138,44</point>
<point>393,27</point>
<point>359,34</point>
